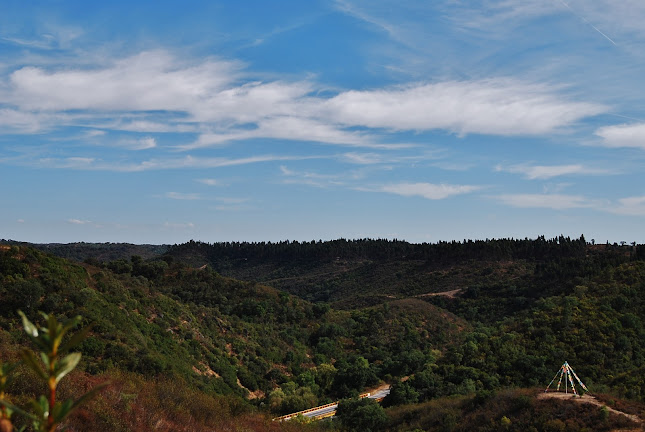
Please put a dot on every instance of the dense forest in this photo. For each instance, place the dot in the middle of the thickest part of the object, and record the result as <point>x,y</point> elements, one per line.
<point>236,333</point>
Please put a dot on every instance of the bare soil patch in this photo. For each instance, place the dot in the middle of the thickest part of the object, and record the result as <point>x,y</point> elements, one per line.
<point>449,294</point>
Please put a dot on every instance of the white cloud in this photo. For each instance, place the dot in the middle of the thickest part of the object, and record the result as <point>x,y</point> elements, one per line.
<point>364,158</point>
<point>233,207</point>
<point>208,182</point>
<point>552,201</point>
<point>386,158</point>
<point>148,81</point>
<point>429,190</point>
<point>542,172</point>
<point>625,135</point>
<point>320,180</point>
<point>231,200</point>
<point>183,196</point>
<point>94,133</point>
<point>495,106</point>
<point>617,18</point>
<point>78,221</point>
<point>158,164</point>
<point>632,206</point>
<point>286,171</point>
<point>454,166</point>
<point>211,97</point>
<point>20,121</point>
<point>66,163</point>
<point>290,128</point>
<point>178,226</point>
<point>55,37</point>
<point>601,16</point>
<point>501,16</point>
<point>141,143</point>
<point>150,126</point>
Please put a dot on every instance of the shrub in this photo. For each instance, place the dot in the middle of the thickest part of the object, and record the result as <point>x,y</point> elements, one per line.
<point>46,411</point>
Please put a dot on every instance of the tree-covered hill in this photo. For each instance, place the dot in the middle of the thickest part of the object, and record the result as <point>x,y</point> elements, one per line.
<point>265,329</point>
<point>218,335</point>
<point>83,251</point>
<point>350,273</point>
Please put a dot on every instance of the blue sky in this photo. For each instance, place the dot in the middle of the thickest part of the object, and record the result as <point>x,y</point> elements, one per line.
<point>161,122</point>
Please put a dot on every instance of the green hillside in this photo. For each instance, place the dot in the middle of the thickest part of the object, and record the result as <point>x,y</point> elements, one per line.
<point>359,272</point>
<point>218,335</point>
<point>302,324</point>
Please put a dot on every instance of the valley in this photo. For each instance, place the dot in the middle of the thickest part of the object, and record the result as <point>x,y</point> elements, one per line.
<point>250,332</point>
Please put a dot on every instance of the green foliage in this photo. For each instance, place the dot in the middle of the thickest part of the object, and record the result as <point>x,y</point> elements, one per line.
<point>521,308</point>
<point>401,393</point>
<point>6,370</point>
<point>361,415</point>
<point>53,363</point>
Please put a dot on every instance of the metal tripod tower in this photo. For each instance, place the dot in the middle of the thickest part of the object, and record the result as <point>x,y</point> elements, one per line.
<point>567,374</point>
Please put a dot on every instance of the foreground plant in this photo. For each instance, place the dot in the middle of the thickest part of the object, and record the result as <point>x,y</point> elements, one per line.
<point>51,366</point>
<point>5,412</point>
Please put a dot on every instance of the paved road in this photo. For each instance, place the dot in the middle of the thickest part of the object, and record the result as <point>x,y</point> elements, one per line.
<point>330,410</point>
<point>322,412</point>
<point>380,394</point>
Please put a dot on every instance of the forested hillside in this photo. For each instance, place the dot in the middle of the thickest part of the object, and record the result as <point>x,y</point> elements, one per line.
<point>217,335</point>
<point>302,324</point>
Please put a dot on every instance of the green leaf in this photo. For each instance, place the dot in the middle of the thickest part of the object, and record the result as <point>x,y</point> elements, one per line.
<point>7,368</point>
<point>5,374</point>
<point>62,410</point>
<point>71,323</point>
<point>45,358</point>
<point>53,330</point>
<point>30,360</point>
<point>16,410</point>
<point>30,328</point>
<point>40,407</point>
<point>66,365</point>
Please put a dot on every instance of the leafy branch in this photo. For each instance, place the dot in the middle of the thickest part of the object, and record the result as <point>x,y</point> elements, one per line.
<point>51,364</point>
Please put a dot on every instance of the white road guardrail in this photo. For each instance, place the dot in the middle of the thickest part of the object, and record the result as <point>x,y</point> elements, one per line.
<point>329,410</point>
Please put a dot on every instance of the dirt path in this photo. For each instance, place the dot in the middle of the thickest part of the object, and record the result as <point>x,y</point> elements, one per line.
<point>449,294</point>
<point>587,399</point>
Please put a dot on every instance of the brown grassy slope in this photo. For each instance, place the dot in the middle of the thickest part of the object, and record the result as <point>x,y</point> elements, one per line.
<point>511,410</point>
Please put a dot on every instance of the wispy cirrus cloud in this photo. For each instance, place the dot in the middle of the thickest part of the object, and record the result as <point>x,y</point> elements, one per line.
<point>630,206</point>
<point>52,36</point>
<point>78,221</point>
<point>549,201</point>
<point>233,204</point>
<point>429,191</point>
<point>359,158</point>
<point>604,17</point>
<point>319,180</point>
<point>209,181</point>
<point>544,172</point>
<point>183,196</point>
<point>18,121</point>
<point>144,143</point>
<point>624,135</point>
<point>214,98</point>
<point>493,106</point>
<point>178,225</point>
<point>150,80</point>
<point>499,16</point>
<point>93,164</point>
